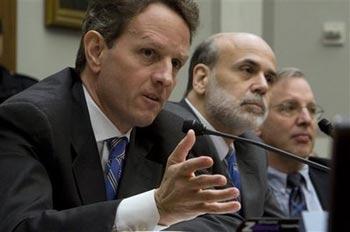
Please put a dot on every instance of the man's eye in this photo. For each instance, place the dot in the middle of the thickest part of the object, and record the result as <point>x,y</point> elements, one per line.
<point>270,78</point>
<point>312,109</point>
<point>149,53</point>
<point>248,69</point>
<point>289,107</point>
<point>177,64</point>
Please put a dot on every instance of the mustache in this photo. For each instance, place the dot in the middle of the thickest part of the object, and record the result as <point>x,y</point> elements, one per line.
<point>255,99</point>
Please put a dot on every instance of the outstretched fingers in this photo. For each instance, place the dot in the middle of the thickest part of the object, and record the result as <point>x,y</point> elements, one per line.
<point>218,207</point>
<point>217,195</point>
<point>207,181</point>
<point>180,153</point>
<point>182,195</point>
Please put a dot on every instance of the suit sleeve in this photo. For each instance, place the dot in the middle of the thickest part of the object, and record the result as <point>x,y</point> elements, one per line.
<point>26,192</point>
<point>209,223</point>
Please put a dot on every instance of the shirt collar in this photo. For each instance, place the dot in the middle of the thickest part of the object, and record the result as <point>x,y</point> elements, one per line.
<point>102,127</point>
<point>219,142</point>
<point>277,176</point>
<point>304,171</point>
<point>281,177</point>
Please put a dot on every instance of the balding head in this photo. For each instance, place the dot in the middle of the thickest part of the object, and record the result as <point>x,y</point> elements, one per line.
<point>209,51</point>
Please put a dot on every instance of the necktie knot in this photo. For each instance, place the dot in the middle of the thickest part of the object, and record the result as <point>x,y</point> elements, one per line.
<point>116,146</point>
<point>294,180</point>
<point>231,157</point>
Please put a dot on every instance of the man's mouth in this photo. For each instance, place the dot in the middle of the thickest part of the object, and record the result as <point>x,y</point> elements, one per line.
<point>302,137</point>
<point>254,106</point>
<point>153,97</point>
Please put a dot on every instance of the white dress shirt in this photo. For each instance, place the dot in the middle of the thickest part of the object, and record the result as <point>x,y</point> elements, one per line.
<point>128,215</point>
<point>278,183</point>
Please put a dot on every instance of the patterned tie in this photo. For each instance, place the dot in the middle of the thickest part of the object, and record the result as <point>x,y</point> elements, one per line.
<point>232,168</point>
<point>297,202</point>
<point>114,165</point>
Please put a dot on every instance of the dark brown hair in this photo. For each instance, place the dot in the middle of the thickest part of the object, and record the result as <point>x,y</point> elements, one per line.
<point>110,17</point>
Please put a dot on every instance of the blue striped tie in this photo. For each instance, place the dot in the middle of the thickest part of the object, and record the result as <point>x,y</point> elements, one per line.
<point>114,165</point>
<point>232,168</point>
<point>297,202</point>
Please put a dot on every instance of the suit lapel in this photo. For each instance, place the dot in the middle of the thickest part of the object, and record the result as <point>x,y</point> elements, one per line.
<point>204,145</point>
<point>320,180</point>
<point>141,173</point>
<point>251,195</point>
<point>87,165</point>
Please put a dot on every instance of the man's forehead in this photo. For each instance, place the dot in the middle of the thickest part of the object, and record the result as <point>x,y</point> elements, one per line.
<point>247,51</point>
<point>292,88</point>
<point>251,45</point>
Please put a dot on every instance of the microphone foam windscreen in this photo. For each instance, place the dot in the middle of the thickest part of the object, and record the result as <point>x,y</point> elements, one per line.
<point>198,128</point>
<point>325,126</point>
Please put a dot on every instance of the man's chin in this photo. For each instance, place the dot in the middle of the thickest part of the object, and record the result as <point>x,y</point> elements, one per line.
<point>254,121</point>
<point>301,152</point>
<point>145,120</point>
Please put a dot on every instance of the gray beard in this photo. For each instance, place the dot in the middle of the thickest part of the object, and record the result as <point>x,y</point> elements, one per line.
<point>228,110</point>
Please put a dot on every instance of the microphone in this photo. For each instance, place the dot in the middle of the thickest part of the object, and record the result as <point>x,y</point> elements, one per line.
<point>200,129</point>
<point>326,127</point>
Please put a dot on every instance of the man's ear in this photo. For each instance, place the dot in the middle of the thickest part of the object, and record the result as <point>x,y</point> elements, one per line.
<point>94,45</point>
<point>201,74</point>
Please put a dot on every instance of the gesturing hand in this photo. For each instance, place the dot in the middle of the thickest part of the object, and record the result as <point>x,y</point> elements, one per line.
<point>183,196</point>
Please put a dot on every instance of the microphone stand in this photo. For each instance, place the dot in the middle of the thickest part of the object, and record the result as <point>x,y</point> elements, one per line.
<point>201,130</point>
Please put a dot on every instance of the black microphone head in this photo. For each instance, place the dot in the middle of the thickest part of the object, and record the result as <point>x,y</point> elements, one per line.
<point>198,128</point>
<point>325,126</point>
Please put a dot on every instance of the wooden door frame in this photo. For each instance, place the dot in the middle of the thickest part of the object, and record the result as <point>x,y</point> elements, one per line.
<point>9,23</point>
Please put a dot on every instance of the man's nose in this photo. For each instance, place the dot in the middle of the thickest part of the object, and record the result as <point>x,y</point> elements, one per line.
<point>304,116</point>
<point>260,84</point>
<point>164,73</point>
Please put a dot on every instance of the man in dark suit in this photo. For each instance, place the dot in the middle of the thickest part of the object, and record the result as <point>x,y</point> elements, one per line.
<point>63,150</point>
<point>291,125</point>
<point>229,76</point>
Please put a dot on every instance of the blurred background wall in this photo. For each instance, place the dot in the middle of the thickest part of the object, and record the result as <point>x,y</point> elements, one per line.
<point>295,29</point>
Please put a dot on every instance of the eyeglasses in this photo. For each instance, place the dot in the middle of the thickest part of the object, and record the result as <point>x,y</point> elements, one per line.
<point>293,108</point>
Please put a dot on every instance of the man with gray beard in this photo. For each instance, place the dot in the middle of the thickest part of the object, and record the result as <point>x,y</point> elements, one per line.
<point>229,76</point>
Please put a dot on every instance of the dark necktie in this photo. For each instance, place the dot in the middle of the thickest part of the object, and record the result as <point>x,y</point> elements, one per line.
<point>297,202</point>
<point>232,168</point>
<point>114,165</point>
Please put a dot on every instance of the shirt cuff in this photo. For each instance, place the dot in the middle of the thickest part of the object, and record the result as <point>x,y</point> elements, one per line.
<point>138,212</point>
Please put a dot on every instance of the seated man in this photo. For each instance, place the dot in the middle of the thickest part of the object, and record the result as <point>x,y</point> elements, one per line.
<point>71,155</point>
<point>291,125</point>
<point>229,76</point>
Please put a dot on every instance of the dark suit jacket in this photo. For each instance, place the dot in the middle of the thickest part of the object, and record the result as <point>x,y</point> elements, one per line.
<point>51,177</point>
<point>49,163</point>
<point>321,181</point>
<point>256,197</point>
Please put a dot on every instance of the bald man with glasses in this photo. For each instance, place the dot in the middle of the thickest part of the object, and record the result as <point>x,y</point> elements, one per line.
<point>291,125</point>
